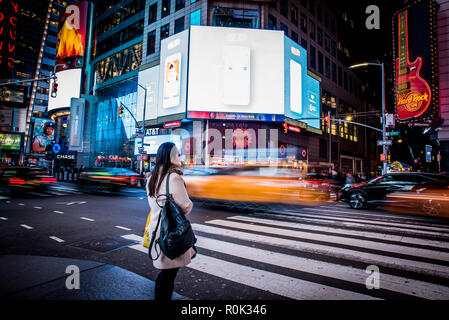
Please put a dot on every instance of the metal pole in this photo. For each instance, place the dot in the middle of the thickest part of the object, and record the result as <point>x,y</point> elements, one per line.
<point>330,141</point>
<point>143,123</point>
<point>384,147</point>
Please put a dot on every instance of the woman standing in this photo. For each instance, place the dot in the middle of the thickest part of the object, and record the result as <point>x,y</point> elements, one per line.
<point>167,162</point>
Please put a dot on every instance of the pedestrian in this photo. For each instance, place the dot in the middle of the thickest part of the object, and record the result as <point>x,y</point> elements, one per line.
<point>167,162</point>
<point>349,179</point>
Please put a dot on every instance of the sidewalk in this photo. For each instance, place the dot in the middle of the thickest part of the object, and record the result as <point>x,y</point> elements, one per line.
<point>44,278</point>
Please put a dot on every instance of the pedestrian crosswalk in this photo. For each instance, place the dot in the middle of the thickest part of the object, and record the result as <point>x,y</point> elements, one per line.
<point>324,255</point>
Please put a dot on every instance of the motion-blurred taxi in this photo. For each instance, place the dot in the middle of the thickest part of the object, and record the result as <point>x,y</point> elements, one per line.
<point>106,179</point>
<point>249,185</point>
<point>18,180</point>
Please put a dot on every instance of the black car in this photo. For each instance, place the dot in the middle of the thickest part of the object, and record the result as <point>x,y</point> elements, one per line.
<point>19,180</point>
<point>375,191</point>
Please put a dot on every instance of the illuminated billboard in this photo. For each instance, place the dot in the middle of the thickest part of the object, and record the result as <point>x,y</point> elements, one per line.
<point>173,75</point>
<point>148,79</point>
<point>43,135</point>
<point>152,143</point>
<point>10,141</point>
<point>237,71</point>
<point>71,44</point>
<point>302,92</point>
<point>416,78</point>
<point>9,14</point>
<point>69,86</point>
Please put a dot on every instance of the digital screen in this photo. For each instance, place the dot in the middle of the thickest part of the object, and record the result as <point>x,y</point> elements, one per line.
<point>152,143</point>
<point>173,75</point>
<point>236,71</point>
<point>69,86</point>
<point>148,79</point>
<point>71,44</point>
<point>43,135</point>
<point>10,141</point>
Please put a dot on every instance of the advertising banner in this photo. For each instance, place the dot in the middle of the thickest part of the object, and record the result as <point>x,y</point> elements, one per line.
<point>312,102</point>
<point>9,15</point>
<point>173,75</point>
<point>149,79</point>
<point>236,71</point>
<point>77,110</point>
<point>10,141</point>
<point>152,143</point>
<point>415,54</point>
<point>43,135</point>
<point>69,86</point>
<point>71,44</point>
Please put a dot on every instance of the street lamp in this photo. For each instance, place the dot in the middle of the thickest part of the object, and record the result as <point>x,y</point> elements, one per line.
<point>384,147</point>
<point>143,120</point>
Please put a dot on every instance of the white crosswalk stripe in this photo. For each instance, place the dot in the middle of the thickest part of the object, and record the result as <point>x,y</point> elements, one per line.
<point>302,251</point>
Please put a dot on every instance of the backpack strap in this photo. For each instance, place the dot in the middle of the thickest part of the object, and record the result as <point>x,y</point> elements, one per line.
<point>153,236</point>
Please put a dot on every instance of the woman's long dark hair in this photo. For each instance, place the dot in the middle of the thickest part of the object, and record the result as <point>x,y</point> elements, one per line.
<point>163,163</point>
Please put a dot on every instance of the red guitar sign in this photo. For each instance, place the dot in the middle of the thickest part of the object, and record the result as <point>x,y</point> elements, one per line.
<point>413,92</point>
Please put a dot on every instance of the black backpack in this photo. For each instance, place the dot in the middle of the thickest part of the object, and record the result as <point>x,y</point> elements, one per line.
<point>176,236</point>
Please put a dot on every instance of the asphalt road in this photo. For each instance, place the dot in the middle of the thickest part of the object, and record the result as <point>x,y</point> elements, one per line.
<point>319,253</point>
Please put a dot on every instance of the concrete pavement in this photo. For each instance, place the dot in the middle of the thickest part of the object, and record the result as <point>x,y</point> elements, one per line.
<point>25,277</point>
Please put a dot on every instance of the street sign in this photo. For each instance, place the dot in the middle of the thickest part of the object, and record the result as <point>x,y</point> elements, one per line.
<point>389,119</point>
<point>386,142</point>
<point>393,134</point>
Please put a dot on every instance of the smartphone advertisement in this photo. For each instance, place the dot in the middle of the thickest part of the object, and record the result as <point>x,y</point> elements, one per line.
<point>236,71</point>
<point>173,76</point>
<point>302,92</point>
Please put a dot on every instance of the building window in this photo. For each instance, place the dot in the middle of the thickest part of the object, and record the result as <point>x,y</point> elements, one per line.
<point>152,15</point>
<point>327,43</point>
<point>284,28</point>
<point>165,31</point>
<point>304,3</point>
<point>303,23</point>
<point>272,23</point>
<point>294,14</point>
<point>236,18</point>
<point>333,27</point>
<point>284,8</point>
<point>350,84</point>
<point>340,77</point>
<point>179,25</point>
<point>312,30</point>
<point>319,13</point>
<point>345,84</point>
<point>312,57</point>
<point>320,62</point>
<point>295,36</point>
<point>165,8</point>
<point>333,48</point>
<point>312,7</point>
<point>304,43</point>
<point>180,4</point>
<point>195,18</point>
<point>151,43</point>
<point>328,68</point>
<point>320,37</point>
<point>334,72</point>
<point>326,20</point>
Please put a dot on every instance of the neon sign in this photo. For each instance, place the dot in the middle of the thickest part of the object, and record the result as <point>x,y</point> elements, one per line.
<point>8,34</point>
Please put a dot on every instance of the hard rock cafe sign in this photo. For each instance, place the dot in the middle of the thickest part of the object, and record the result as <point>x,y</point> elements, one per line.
<point>120,63</point>
<point>413,100</point>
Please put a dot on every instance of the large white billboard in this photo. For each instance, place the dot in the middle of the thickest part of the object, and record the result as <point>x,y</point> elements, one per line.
<point>149,82</point>
<point>173,74</point>
<point>69,86</point>
<point>236,70</point>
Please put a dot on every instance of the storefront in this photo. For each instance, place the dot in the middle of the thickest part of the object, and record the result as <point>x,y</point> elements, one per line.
<point>10,146</point>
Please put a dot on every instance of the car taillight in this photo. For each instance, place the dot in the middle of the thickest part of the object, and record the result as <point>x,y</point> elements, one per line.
<point>50,180</point>
<point>325,184</point>
<point>16,181</point>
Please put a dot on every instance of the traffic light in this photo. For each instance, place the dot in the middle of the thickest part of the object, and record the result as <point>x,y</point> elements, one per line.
<point>327,120</point>
<point>285,127</point>
<point>54,90</point>
<point>120,111</point>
